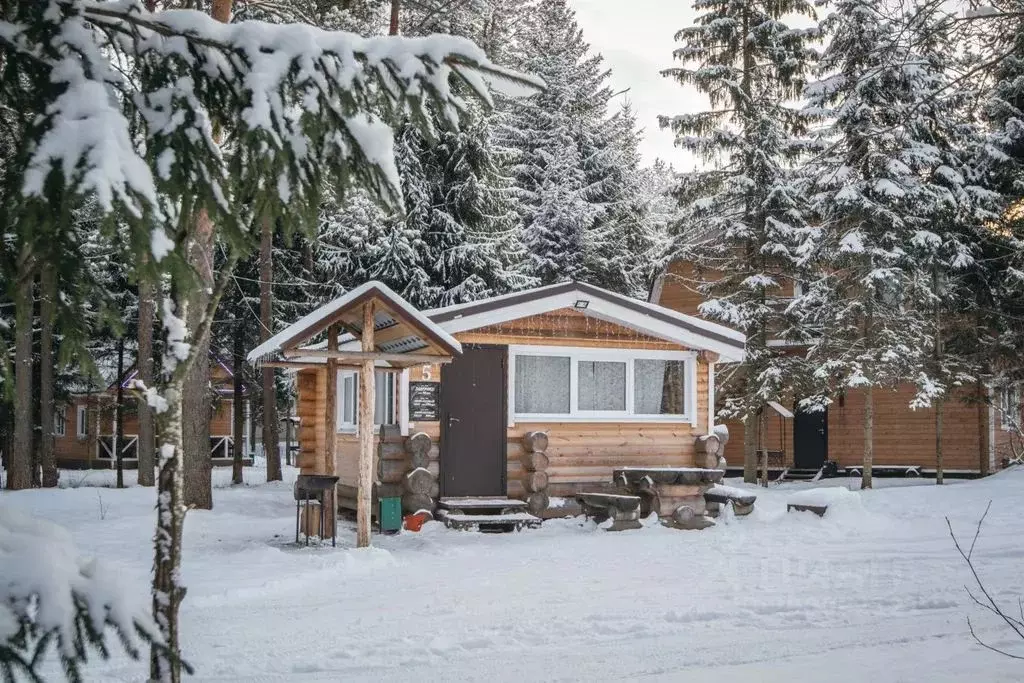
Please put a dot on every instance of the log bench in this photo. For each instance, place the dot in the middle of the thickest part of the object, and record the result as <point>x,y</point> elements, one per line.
<point>676,494</point>
<point>624,511</point>
<point>717,496</point>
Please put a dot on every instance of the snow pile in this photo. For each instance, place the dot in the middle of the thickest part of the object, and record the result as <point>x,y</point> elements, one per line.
<point>45,583</point>
<point>831,497</point>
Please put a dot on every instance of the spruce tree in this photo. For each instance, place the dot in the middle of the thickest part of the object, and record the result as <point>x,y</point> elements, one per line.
<point>743,219</point>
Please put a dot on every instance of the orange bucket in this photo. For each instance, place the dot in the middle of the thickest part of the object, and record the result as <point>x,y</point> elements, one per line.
<point>415,522</point>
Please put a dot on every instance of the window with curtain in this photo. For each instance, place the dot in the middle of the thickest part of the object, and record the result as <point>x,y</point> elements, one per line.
<point>659,387</point>
<point>348,399</point>
<point>542,384</point>
<point>601,385</point>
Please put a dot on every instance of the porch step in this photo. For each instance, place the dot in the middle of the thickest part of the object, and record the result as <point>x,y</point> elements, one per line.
<point>509,521</point>
<point>486,513</point>
<point>481,504</point>
<point>800,474</point>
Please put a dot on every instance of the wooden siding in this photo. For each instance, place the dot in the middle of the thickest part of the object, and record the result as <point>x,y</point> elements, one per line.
<point>901,436</point>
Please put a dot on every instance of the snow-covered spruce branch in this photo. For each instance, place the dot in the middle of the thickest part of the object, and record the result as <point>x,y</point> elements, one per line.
<point>53,599</point>
<point>986,602</point>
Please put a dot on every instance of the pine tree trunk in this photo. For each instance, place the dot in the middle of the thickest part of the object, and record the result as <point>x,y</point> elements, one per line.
<point>119,415</point>
<point>237,406</point>
<point>938,441</point>
<point>146,445</point>
<point>983,445</point>
<point>47,309</point>
<point>195,397</point>
<point>869,436</point>
<point>763,440</point>
<point>19,475</point>
<point>751,430</point>
<point>270,437</point>
<point>396,7</point>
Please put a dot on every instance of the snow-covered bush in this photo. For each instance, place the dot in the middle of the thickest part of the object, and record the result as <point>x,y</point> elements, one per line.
<point>52,596</point>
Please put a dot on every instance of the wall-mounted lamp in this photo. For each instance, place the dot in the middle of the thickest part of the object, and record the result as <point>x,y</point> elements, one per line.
<point>581,304</point>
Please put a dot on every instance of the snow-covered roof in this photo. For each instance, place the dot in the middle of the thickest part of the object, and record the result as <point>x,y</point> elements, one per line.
<point>643,316</point>
<point>422,333</point>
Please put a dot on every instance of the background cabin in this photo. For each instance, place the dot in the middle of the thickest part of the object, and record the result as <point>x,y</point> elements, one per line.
<point>976,429</point>
<point>85,424</point>
<point>613,381</point>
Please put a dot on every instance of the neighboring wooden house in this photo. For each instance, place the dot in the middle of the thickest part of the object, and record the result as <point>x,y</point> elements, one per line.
<point>613,381</point>
<point>973,430</point>
<point>85,424</point>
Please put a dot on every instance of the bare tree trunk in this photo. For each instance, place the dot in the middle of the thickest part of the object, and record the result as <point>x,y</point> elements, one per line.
<point>983,445</point>
<point>146,445</point>
<point>19,460</point>
<point>869,436</point>
<point>237,405</point>
<point>47,313</point>
<point>119,415</point>
<point>195,396</point>
<point>270,435</point>
<point>167,591</point>
<point>751,430</point>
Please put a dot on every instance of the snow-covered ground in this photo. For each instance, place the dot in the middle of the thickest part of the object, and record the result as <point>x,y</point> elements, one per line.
<point>873,592</point>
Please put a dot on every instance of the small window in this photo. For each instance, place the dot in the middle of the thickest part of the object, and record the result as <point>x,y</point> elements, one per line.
<point>542,384</point>
<point>81,422</point>
<point>348,399</point>
<point>601,385</point>
<point>60,421</point>
<point>659,387</point>
<point>1009,406</point>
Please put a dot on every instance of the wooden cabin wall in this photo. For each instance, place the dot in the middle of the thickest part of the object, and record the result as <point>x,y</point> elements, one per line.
<point>311,405</point>
<point>901,436</point>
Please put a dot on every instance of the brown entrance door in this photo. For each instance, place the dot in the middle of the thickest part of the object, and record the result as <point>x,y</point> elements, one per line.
<point>473,417</point>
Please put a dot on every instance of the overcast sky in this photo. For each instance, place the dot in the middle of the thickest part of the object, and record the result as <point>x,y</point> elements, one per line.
<point>636,39</point>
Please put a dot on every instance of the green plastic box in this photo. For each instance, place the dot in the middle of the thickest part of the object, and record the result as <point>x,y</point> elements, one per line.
<point>390,514</point>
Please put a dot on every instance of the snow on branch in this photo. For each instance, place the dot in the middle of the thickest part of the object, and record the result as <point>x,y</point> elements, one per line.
<point>50,595</point>
<point>135,103</point>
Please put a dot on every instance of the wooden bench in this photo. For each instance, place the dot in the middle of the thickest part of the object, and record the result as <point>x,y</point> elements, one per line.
<point>676,494</point>
<point>717,496</point>
<point>819,510</point>
<point>624,511</point>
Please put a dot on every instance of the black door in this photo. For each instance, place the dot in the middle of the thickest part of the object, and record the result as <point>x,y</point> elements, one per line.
<point>473,417</point>
<point>810,439</point>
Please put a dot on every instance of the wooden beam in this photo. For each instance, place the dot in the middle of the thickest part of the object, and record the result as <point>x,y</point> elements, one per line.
<point>367,401</point>
<point>364,355</point>
<point>331,410</point>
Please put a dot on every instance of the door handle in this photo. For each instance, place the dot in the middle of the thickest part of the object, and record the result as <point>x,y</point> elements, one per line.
<point>452,420</point>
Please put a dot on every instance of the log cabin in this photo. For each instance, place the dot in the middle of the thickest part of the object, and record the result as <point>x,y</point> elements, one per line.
<point>84,425</point>
<point>532,396</point>
<point>981,431</point>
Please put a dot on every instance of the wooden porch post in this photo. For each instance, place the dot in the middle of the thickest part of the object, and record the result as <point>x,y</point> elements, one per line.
<point>367,400</point>
<point>331,418</point>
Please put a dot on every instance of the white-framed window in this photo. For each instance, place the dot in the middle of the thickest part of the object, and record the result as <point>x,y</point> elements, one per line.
<point>1009,407</point>
<point>81,422</point>
<point>60,420</point>
<point>348,399</point>
<point>586,384</point>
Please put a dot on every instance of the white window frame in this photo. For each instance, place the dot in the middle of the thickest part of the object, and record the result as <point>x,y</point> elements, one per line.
<point>627,356</point>
<point>347,427</point>
<point>60,420</point>
<point>81,422</point>
<point>1009,407</point>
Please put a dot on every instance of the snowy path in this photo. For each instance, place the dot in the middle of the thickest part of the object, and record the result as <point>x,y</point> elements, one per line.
<point>873,594</point>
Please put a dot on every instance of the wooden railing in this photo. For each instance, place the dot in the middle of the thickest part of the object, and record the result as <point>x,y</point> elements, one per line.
<point>220,447</point>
